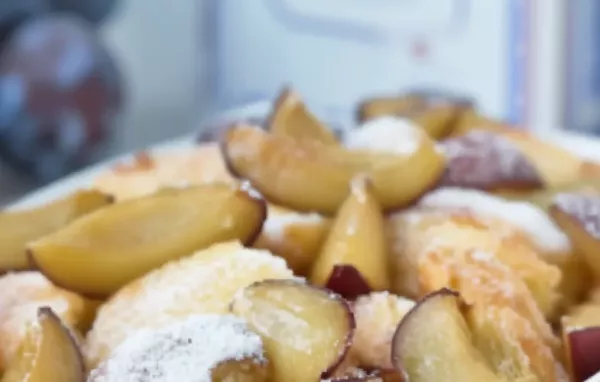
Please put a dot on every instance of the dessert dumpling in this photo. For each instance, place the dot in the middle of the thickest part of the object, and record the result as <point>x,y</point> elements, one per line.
<point>419,231</point>
<point>211,348</point>
<point>146,173</point>
<point>202,283</point>
<point>525,223</point>
<point>377,316</point>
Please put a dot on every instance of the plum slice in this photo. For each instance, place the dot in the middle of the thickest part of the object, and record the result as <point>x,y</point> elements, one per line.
<point>49,353</point>
<point>433,343</point>
<point>306,331</point>
<point>17,228</point>
<point>100,253</point>
<point>315,178</point>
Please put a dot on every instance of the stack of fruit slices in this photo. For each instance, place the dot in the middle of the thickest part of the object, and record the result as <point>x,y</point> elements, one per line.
<point>428,244</point>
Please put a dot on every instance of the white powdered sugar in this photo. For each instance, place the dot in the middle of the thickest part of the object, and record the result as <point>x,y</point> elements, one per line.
<point>203,283</point>
<point>584,208</point>
<point>594,378</point>
<point>372,301</point>
<point>527,217</point>
<point>485,160</point>
<point>390,134</point>
<point>185,351</point>
<point>277,222</point>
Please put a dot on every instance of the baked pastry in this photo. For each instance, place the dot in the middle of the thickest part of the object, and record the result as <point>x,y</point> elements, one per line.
<point>205,347</point>
<point>145,173</point>
<point>203,283</point>
<point>377,316</point>
<point>503,280</point>
<point>526,223</point>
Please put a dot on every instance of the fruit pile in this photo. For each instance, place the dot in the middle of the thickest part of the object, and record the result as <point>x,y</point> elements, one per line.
<point>60,90</point>
<point>428,244</point>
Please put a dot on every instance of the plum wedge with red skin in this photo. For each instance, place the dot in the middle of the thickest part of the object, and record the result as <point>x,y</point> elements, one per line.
<point>100,253</point>
<point>17,228</point>
<point>356,238</point>
<point>581,339</point>
<point>583,352</point>
<point>347,281</point>
<point>432,343</point>
<point>306,331</point>
<point>49,353</point>
<point>291,118</point>
<point>310,177</point>
<point>487,161</point>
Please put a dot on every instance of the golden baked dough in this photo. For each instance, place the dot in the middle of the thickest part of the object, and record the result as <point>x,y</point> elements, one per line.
<point>377,316</point>
<point>215,348</point>
<point>528,224</point>
<point>146,173</point>
<point>502,279</point>
<point>204,282</point>
<point>21,294</point>
<point>415,232</point>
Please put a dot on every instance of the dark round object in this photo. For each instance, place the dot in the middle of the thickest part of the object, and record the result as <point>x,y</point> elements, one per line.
<point>94,11</point>
<point>60,95</point>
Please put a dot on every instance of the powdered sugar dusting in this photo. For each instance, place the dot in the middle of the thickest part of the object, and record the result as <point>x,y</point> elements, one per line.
<point>482,256</point>
<point>530,219</point>
<point>377,316</point>
<point>247,187</point>
<point>585,208</point>
<point>484,160</point>
<point>203,283</point>
<point>594,378</point>
<point>371,301</point>
<point>184,351</point>
<point>388,133</point>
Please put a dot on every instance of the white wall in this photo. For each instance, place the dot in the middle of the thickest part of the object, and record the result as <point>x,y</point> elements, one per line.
<point>154,44</point>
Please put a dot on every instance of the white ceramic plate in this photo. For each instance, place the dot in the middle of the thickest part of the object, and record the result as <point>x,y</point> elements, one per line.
<point>585,147</point>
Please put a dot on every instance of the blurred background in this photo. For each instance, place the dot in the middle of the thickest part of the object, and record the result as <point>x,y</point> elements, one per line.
<point>83,80</point>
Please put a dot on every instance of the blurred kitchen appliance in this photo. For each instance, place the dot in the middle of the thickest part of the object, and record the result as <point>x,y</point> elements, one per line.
<point>520,59</point>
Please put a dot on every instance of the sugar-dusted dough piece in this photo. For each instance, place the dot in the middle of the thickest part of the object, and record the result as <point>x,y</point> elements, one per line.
<point>495,269</point>
<point>145,172</point>
<point>416,232</point>
<point>200,348</point>
<point>202,283</point>
<point>377,315</point>
<point>507,324</point>
<point>524,222</point>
